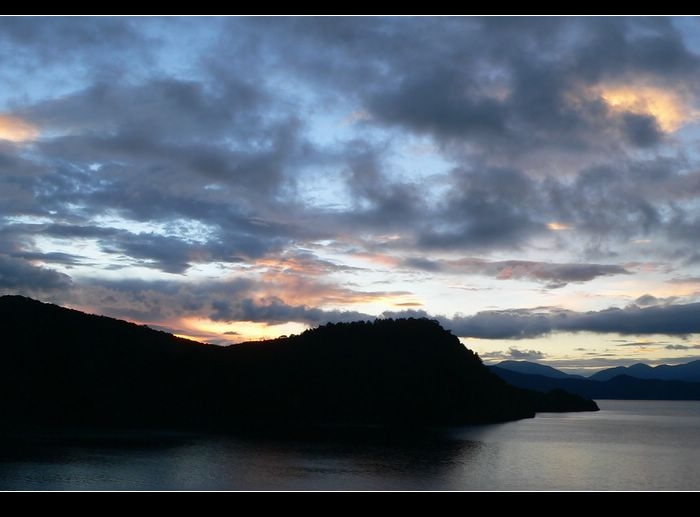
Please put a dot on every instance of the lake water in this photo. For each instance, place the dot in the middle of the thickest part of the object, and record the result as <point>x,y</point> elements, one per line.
<point>628,445</point>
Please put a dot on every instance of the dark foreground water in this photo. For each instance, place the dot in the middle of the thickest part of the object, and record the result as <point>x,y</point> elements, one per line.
<point>628,445</point>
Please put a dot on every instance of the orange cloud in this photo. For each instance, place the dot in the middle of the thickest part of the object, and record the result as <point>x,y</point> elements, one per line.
<point>299,265</point>
<point>554,226</point>
<point>377,258</point>
<point>298,279</point>
<point>670,109</point>
<point>17,130</point>
<point>295,289</point>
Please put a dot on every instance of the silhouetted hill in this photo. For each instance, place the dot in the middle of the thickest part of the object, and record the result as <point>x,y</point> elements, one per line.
<point>386,371</point>
<point>66,367</point>
<point>639,371</point>
<point>561,401</point>
<point>531,368</point>
<point>688,372</point>
<point>621,387</point>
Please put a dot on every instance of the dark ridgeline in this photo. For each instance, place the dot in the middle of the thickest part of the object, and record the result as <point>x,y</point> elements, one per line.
<point>386,371</point>
<point>62,366</point>
<point>688,372</point>
<point>620,387</point>
<point>530,368</point>
<point>558,400</point>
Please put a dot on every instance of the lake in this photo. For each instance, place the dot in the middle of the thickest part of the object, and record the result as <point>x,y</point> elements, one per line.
<point>628,445</point>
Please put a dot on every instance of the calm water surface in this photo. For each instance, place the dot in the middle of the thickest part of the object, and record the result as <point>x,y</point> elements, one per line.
<point>628,445</point>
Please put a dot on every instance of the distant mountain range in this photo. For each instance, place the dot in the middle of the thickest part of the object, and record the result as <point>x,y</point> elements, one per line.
<point>531,368</point>
<point>62,366</point>
<point>640,381</point>
<point>689,372</point>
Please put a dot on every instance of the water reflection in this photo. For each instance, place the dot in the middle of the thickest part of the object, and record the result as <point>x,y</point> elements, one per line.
<point>627,445</point>
<point>359,458</point>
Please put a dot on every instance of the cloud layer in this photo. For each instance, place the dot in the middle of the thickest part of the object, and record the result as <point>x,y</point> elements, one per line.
<point>272,170</point>
<point>522,323</point>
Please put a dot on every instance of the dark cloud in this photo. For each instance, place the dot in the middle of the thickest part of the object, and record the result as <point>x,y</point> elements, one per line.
<point>646,300</point>
<point>135,117</point>
<point>488,208</point>
<point>71,50</point>
<point>682,347</point>
<point>528,355</point>
<point>641,344</point>
<point>641,130</point>
<point>436,103</point>
<point>20,275</point>
<point>168,252</point>
<point>523,323</point>
<point>169,255</point>
<point>513,353</point>
<point>552,274</point>
<point>274,311</point>
<point>627,46</point>
<point>163,147</point>
<point>51,36</point>
<point>56,257</point>
<point>494,208</point>
<point>685,280</point>
<point>514,93</point>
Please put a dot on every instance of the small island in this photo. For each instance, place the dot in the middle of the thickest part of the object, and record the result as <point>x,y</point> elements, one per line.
<point>64,367</point>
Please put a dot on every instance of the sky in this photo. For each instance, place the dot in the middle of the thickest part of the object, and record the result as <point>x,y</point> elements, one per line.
<point>532,183</point>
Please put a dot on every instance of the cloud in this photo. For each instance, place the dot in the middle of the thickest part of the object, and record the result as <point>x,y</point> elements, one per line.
<point>16,130</point>
<point>273,311</point>
<point>167,249</point>
<point>513,353</point>
<point>552,274</point>
<point>685,280</point>
<point>641,130</point>
<point>645,345</point>
<point>226,148</point>
<point>487,208</point>
<point>20,275</point>
<point>633,320</point>
<point>506,97</point>
<point>556,157</point>
<point>48,38</point>
<point>246,298</point>
<point>646,300</point>
<point>525,354</point>
<point>682,347</point>
<point>304,263</point>
<point>664,110</point>
<point>56,257</point>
